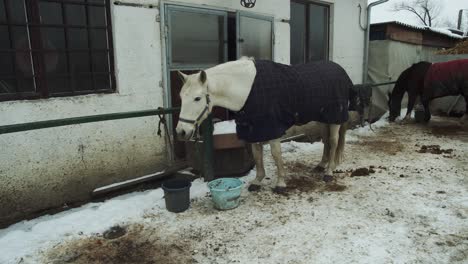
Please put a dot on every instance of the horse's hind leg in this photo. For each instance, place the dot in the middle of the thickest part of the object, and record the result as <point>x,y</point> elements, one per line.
<point>411,102</point>
<point>324,130</point>
<point>257,151</point>
<point>276,153</point>
<point>427,111</point>
<point>464,119</point>
<point>333,144</point>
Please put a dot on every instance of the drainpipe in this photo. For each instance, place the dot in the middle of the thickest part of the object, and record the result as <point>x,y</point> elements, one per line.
<point>460,19</point>
<point>366,39</point>
<point>460,16</point>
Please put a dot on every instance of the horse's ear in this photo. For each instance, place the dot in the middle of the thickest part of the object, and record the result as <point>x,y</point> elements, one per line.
<point>182,76</point>
<point>202,77</point>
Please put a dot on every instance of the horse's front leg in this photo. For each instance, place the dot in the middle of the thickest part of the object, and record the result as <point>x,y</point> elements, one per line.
<point>326,148</point>
<point>427,112</point>
<point>276,153</point>
<point>257,151</point>
<point>411,102</point>
<point>464,119</point>
<point>333,144</point>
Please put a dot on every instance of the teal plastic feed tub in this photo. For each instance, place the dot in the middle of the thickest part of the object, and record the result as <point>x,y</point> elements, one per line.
<point>225,192</point>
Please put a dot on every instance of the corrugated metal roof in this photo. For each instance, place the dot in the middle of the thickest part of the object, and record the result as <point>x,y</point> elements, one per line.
<point>442,31</point>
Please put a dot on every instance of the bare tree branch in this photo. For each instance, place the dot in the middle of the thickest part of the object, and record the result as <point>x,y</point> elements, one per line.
<point>427,11</point>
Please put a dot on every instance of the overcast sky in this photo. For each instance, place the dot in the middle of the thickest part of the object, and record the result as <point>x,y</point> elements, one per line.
<point>450,8</point>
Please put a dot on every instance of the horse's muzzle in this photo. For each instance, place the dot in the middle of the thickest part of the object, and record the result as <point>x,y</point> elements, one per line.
<point>184,134</point>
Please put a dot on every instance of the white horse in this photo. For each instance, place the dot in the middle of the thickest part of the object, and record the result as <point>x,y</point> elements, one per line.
<point>228,85</point>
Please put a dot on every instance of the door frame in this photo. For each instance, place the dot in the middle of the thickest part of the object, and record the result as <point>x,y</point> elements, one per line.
<point>163,17</point>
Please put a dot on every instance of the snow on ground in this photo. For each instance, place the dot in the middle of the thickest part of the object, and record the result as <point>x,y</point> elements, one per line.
<point>413,209</point>
<point>225,127</point>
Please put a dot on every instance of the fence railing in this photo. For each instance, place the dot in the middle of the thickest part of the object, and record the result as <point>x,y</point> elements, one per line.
<point>207,128</point>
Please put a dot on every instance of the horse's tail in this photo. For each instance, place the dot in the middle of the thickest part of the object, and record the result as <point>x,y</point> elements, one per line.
<point>341,143</point>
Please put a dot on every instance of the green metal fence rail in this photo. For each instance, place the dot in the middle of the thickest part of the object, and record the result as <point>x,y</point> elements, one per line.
<point>372,85</point>
<point>83,120</point>
<point>207,127</point>
<point>380,84</point>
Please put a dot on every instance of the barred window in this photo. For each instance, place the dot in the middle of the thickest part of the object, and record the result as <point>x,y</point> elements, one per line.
<point>52,48</point>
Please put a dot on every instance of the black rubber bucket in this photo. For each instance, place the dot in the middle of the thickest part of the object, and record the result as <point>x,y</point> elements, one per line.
<point>177,195</point>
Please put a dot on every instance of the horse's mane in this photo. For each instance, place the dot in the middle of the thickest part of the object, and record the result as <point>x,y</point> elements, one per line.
<point>247,58</point>
<point>226,68</point>
<point>401,85</point>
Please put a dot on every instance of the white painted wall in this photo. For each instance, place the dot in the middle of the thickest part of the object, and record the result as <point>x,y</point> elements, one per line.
<point>348,37</point>
<point>44,168</point>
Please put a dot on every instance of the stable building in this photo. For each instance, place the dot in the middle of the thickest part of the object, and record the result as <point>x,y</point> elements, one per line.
<point>63,59</point>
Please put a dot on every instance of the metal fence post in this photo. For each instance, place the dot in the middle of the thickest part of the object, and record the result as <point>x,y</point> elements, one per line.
<point>208,149</point>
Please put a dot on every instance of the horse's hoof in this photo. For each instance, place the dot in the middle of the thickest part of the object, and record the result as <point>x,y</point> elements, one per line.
<point>327,178</point>
<point>319,169</point>
<point>279,190</point>
<point>254,188</point>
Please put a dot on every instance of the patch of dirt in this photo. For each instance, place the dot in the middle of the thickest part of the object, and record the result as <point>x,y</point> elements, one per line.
<point>335,187</point>
<point>133,247</point>
<point>299,168</point>
<point>434,149</point>
<point>302,184</point>
<point>385,146</point>
<point>448,130</point>
<point>114,232</point>
<point>312,184</point>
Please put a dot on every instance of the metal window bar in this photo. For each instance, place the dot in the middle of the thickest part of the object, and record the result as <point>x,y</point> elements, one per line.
<point>33,25</point>
<point>90,53</point>
<point>67,45</point>
<point>53,25</point>
<point>58,75</point>
<point>53,50</point>
<point>75,2</point>
<point>110,46</point>
<point>10,35</point>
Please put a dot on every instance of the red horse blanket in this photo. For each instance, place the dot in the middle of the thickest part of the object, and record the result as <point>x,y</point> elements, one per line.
<point>446,78</point>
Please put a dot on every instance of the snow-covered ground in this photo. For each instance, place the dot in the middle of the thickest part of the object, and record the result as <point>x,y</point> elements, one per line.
<point>413,209</point>
<point>225,127</point>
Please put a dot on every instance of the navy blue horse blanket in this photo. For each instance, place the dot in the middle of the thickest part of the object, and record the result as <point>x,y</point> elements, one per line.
<point>283,96</point>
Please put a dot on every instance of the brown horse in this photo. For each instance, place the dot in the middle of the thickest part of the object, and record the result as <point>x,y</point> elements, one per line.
<point>410,81</point>
<point>429,81</point>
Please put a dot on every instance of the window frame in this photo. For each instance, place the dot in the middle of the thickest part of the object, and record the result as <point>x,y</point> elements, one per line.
<point>34,25</point>
<point>269,19</point>
<point>181,8</point>
<point>307,5</point>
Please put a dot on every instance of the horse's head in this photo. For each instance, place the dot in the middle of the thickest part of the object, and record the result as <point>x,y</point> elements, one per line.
<point>196,104</point>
